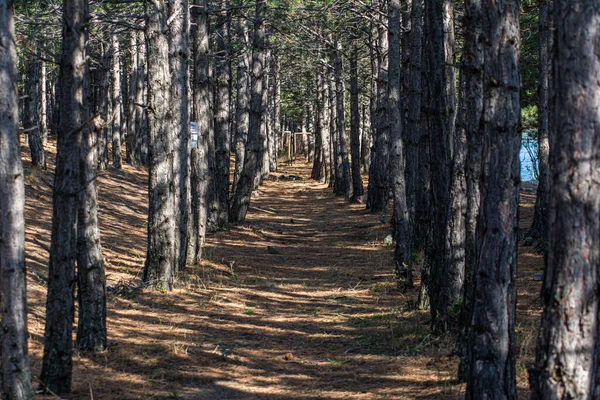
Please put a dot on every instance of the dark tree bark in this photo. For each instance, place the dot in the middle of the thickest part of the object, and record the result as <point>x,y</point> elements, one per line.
<point>413,133</point>
<point>322,165</point>
<point>357,184</point>
<point>141,123</point>
<point>470,117</point>
<point>366,140</point>
<point>539,227</point>
<point>116,100</point>
<point>265,159</point>
<point>222,80</point>
<point>104,106</point>
<point>43,100</point>
<point>159,269</point>
<point>437,122</point>
<point>199,178</point>
<point>492,345</point>
<point>567,358</point>
<point>31,115</point>
<point>16,376</point>
<point>344,186</point>
<point>402,251</point>
<point>58,336</point>
<point>241,101</point>
<point>91,291</point>
<point>378,187</point>
<point>178,66</point>
<point>133,151</point>
<point>241,200</point>
<point>449,53</point>
<point>276,111</point>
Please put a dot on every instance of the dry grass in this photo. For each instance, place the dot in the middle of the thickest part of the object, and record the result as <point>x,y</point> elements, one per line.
<point>321,320</point>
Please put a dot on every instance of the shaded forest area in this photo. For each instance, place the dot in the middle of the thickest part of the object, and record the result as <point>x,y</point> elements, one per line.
<point>231,199</point>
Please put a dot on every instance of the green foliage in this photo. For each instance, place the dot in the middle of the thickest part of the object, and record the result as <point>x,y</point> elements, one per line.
<point>529,116</point>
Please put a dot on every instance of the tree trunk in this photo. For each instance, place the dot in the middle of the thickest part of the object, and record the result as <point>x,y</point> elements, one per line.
<point>345,184</point>
<point>402,251</point>
<point>357,184</point>
<point>31,117</point>
<point>91,328</point>
<point>539,227</point>
<point>115,78</point>
<point>222,140</point>
<point>265,166</point>
<point>366,140</point>
<point>58,336</point>
<point>241,101</point>
<point>378,172</point>
<point>159,269</point>
<point>449,53</point>
<point>178,66</point>
<point>16,376</point>
<point>102,141</point>
<point>472,93</point>
<point>567,358</point>
<point>43,102</point>
<point>133,152</point>
<point>199,178</point>
<point>141,123</point>
<point>441,291</point>
<point>492,344</point>
<point>241,200</point>
<point>276,126</point>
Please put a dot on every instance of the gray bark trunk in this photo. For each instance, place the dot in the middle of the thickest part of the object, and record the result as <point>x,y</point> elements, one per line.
<point>344,186</point>
<point>241,200</point>
<point>492,342</point>
<point>133,151</point>
<point>32,116</point>
<point>242,101</point>
<point>159,268</point>
<point>16,376</point>
<point>116,100</point>
<point>57,362</point>
<point>357,184</point>
<point>102,143</point>
<point>567,360</point>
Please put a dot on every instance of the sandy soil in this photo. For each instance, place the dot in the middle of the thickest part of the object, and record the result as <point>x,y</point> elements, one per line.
<point>320,320</point>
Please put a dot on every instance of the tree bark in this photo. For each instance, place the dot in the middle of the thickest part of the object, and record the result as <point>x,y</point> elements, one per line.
<point>492,344</point>
<point>241,200</point>
<point>242,101</point>
<point>58,336</point>
<point>567,358</point>
<point>16,376</point>
<point>345,185</point>
<point>159,268</point>
<point>539,227</point>
<point>116,100</point>
<point>104,106</point>
<point>32,117</point>
<point>357,184</point>
<point>133,151</point>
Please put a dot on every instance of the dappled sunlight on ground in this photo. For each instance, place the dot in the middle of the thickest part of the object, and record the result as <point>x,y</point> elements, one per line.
<point>320,320</point>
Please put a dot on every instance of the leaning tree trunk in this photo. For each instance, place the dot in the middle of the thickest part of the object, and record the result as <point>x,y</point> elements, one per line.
<point>115,78</point>
<point>539,227</point>
<point>357,184</point>
<point>472,97</point>
<point>199,176</point>
<point>568,351</point>
<point>159,268</point>
<point>402,251</point>
<point>57,362</point>
<point>222,140</point>
<point>241,199</point>
<point>492,344</point>
<point>15,377</point>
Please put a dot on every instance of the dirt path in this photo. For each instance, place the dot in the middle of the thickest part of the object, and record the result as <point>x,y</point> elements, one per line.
<point>320,320</point>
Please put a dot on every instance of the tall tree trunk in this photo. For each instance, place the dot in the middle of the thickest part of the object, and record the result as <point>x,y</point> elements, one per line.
<point>539,227</point>
<point>16,376</point>
<point>241,101</point>
<point>58,336</point>
<point>199,177</point>
<point>357,184</point>
<point>241,200</point>
<point>492,344</point>
<point>43,101</point>
<point>178,66</point>
<point>366,138</point>
<point>102,141</point>
<point>222,81</point>
<point>116,100</point>
<point>378,173</point>
<point>567,358</point>
<point>440,290</point>
<point>276,126</point>
<point>345,184</point>
<point>449,53</point>
<point>91,290</point>
<point>402,251</point>
<point>413,121</point>
<point>472,107</point>
<point>133,152</point>
<point>265,166</point>
<point>141,123</point>
<point>159,268</point>
<point>31,117</point>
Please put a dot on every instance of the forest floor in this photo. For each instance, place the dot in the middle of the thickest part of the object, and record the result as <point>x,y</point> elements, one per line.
<point>320,320</point>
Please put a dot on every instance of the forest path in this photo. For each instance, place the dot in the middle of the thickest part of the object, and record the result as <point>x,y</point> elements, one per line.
<point>320,320</point>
